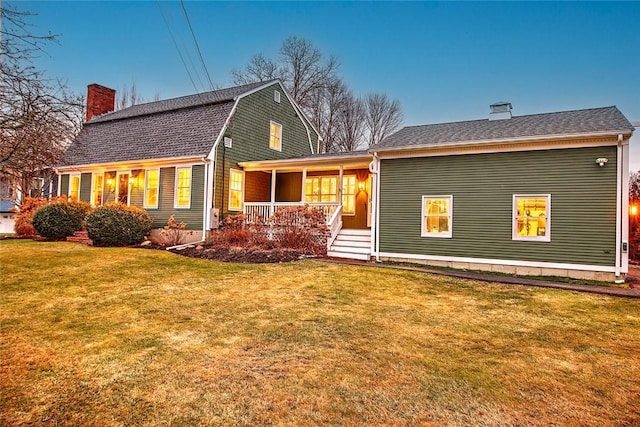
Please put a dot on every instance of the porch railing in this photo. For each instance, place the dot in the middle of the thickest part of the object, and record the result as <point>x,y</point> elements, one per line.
<point>266,209</point>
<point>334,224</point>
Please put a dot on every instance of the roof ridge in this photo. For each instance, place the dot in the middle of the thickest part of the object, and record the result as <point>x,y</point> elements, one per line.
<point>186,101</point>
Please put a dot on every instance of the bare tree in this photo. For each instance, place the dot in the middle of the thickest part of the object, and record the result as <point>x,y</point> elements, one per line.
<point>382,117</point>
<point>38,116</point>
<point>326,107</point>
<point>350,131</point>
<point>258,69</point>
<point>129,96</point>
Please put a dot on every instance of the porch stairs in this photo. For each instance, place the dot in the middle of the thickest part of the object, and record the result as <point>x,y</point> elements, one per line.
<point>352,244</point>
<point>80,237</point>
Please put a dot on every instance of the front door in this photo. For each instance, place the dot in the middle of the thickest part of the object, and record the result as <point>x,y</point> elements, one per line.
<point>122,190</point>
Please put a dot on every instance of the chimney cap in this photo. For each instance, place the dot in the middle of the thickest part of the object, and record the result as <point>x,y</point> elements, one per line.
<point>500,110</point>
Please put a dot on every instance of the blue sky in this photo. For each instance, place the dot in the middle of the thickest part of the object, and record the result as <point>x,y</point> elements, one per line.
<point>442,61</point>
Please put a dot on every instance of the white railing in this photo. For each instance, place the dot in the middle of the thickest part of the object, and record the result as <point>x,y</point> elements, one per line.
<point>266,209</point>
<point>334,224</point>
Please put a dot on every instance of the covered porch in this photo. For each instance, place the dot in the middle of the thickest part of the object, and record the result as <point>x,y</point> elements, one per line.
<point>339,184</point>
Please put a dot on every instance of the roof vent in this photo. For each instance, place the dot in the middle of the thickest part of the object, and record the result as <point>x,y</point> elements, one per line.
<point>500,111</point>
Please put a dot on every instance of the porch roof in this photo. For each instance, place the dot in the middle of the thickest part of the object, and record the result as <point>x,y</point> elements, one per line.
<point>325,161</point>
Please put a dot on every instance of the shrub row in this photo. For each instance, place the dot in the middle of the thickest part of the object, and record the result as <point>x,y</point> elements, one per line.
<point>57,221</point>
<point>116,224</point>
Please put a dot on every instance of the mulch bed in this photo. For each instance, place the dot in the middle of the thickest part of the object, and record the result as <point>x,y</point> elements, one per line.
<point>242,254</point>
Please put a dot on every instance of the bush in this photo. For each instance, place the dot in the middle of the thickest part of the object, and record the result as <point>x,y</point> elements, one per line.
<point>24,215</point>
<point>61,219</point>
<point>173,234</point>
<point>116,224</point>
<point>300,227</point>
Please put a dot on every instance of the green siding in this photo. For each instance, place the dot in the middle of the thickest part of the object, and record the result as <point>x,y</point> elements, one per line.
<point>583,204</point>
<point>192,216</point>
<point>249,129</point>
<point>64,184</point>
<point>85,187</point>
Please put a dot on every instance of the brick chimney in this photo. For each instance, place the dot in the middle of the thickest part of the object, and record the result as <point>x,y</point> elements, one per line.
<point>100,100</point>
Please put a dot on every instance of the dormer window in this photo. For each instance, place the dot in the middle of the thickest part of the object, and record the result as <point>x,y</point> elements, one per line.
<point>275,136</point>
<point>276,96</point>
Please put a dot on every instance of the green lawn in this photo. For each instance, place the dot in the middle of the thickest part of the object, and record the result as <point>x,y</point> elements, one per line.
<point>107,336</point>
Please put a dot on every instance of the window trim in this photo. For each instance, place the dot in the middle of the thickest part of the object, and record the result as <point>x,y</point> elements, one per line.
<point>175,187</point>
<point>354,195</point>
<point>514,218</point>
<point>94,176</point>
<point>426,233</point>
<point>279,127</point>
<point>146,188</point>
<point>241,172</point>
<point>276,96</point>
<point>71,176</point>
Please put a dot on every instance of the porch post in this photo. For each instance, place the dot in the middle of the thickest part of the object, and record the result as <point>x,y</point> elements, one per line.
<point>304,180</point>
<point>340,186</point>
<point>273,192</point>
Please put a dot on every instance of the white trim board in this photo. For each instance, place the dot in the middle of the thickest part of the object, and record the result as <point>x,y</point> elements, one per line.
<point>514,263</point>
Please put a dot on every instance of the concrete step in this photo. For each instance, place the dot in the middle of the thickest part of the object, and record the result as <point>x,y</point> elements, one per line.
<point>350,249</point>
<point>352,243</point>
<point>349,255</point>
<point>353,237</point>
<point>355,232</point>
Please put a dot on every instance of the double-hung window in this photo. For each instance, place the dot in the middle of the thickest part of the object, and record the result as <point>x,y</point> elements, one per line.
<point>349,189</point>
<point>532,217</point>
<point>97,189</point>
<point>74,187</point>
<point>437,216</point>
<point>321,189</point>
<point>151,188</point>
<point>236,184</point>
<point>275,136</point>
<point>183,188</point>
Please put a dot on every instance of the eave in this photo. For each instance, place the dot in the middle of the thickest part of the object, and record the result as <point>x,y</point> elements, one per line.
<point>328,162</point>
<point>131,164</point>
<point>505,144</point>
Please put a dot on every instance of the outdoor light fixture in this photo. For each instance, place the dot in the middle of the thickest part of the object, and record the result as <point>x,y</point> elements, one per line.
<point>602,161</point>
<point>361,186</point>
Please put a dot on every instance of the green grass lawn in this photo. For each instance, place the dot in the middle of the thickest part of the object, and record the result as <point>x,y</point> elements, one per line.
<point>108,336</point>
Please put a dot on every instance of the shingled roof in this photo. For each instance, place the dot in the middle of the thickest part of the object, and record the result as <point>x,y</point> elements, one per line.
<point>180,127</point>
<point>577,122</point>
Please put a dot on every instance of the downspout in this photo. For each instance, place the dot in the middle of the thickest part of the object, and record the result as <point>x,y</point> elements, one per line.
<point>620,214</point>
<point>374,168</point>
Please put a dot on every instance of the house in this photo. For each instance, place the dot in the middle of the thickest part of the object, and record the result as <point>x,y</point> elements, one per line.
<point>542,194</point>
<point>180,156</point>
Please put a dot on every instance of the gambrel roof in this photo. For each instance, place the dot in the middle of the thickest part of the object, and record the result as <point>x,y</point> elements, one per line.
<point>187,126</point>
<point>595,121</point>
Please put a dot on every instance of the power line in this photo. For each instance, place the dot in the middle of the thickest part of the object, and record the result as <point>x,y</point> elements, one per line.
<point>175,44</point>
<point>195,41</point>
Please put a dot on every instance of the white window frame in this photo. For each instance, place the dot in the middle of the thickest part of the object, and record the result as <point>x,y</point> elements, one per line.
<point>241,172</point>
<point>276,96</point>
<point>353,195</point>
<point>426,233</point>
<point>40,186</point>
<point>71,176</point>
<point>93,187</point>
<point>514,218</point>
<point>279,127</point>
<point>175,187</point>
<point>146,188</point>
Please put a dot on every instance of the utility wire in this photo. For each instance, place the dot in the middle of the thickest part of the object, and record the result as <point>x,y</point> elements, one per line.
<point>195,41</point>
<point>175,44</point>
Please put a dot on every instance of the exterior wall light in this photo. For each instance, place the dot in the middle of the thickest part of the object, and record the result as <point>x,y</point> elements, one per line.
<point>602,161</point>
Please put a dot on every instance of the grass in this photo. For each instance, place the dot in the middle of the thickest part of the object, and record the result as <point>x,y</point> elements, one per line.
<point>114,337</point>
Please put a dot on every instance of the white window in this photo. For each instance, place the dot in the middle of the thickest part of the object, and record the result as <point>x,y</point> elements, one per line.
<point>349,189</point>
<point>151,188</point>
<point>321,189</point>
<point>532,217</point>
<point>437,216</point>
<point>123,186</point>
<point>37,187</point>
<point>275,136</point>
<point>74,187</point>
<point>183,188</point>
<point>97,189</point>
<point>276,96</point>
<point>236,189</point>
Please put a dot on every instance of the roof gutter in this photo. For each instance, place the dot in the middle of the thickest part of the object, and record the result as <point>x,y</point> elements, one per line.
<point>136,164</point>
